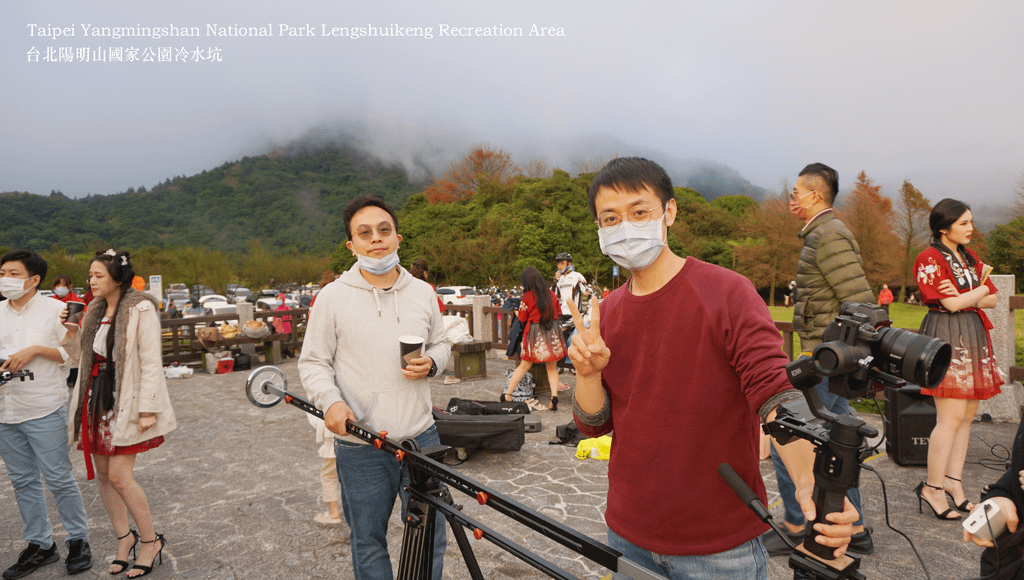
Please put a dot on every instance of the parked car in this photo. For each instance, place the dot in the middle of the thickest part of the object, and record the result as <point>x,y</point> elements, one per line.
<point>216,307</point>
<point>212,298</point>
<point>180,300</point>
<point>239,294</point>
<point>461,295</point>
<point>272,304</point>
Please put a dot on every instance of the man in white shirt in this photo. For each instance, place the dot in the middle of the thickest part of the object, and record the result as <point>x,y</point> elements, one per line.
<point>569,284</point>
<point>34,416</point>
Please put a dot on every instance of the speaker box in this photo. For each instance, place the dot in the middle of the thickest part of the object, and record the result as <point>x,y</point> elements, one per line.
<point>909,420</point>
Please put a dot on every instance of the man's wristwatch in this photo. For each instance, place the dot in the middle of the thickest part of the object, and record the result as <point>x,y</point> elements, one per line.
<point>433,368</point>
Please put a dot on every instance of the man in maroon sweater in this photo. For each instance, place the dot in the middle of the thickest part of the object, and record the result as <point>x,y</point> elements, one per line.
<point>683,362</point>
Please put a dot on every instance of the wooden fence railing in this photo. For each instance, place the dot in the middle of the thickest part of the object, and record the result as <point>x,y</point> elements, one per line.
<point>180,343</point>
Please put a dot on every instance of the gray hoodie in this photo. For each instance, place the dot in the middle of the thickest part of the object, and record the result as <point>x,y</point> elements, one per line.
<point>351,353</point>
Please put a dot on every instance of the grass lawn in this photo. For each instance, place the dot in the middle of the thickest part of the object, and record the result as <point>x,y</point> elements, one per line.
<point>903,315</point>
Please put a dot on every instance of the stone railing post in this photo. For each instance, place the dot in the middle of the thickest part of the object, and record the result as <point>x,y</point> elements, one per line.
<point>1007,405</point>
<point>481,320</point>
<point>245,311</point>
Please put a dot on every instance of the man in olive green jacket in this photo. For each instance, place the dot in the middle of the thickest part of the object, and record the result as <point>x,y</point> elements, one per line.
<point>828,273</point>
<point>830,270</point>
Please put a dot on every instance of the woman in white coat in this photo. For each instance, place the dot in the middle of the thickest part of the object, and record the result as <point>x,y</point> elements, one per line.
<point>121,408</point>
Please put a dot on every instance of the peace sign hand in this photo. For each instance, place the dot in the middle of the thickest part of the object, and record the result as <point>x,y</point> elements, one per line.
<point>588,352</point>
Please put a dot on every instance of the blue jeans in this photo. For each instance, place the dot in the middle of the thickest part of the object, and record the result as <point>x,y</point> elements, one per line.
<point>748,560</point>
<point>40,447</point>
<point>370,480</point>
<point>787,490</point>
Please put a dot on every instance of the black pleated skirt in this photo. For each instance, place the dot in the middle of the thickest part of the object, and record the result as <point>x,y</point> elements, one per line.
<point>973,373</point>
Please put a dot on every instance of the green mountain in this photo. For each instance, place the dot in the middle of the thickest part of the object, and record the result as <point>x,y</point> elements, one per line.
<point>291,200</point>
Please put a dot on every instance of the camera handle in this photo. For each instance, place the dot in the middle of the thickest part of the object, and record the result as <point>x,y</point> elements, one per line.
<point>837,439</point>
<point>805,566</point>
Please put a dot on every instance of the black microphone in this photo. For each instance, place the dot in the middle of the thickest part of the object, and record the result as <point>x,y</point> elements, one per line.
<point>750,498</point>
<point>743,490</point>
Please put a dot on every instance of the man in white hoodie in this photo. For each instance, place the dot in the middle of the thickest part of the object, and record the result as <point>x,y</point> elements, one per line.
<point>351,369</point>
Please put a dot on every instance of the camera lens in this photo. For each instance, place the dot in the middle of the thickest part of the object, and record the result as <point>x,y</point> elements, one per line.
<point>916,358</point>
<point>837,358</point>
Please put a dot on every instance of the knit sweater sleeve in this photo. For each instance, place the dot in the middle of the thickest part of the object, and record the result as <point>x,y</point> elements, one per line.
<point>316,363</point>
<point>751,343</point>
<point>840,263</point>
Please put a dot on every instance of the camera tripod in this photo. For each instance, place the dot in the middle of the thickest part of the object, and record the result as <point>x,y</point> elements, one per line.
<point>428,496</point>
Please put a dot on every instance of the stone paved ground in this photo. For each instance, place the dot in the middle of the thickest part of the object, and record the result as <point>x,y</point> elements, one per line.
<point>235,489</point>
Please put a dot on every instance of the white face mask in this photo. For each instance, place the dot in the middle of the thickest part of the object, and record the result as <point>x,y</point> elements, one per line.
<point>61,291</point>
<point>378,266</point>
<point>631,246</point>
<point>12,288</point>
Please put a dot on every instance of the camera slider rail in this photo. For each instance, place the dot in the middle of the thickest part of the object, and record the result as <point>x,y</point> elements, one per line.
<point>267,386</point>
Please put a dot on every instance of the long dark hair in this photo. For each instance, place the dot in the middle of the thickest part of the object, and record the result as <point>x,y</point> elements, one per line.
<point>531,279</point>
<point>945,213</point>
<point>119,268</point>
<point>419,269</point>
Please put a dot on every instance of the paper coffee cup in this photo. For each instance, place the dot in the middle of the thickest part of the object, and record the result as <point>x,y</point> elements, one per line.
<point>410,347</point>
<point>75,310</point>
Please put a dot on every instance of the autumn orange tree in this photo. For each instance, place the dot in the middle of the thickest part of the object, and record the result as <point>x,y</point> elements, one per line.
<point>771,248</point>
<point>869,215</point>
<point>911,225</point>
<point>480,166</point>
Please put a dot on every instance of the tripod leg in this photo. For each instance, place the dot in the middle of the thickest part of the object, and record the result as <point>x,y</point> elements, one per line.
<point>467,550</point>
<point>417,560</point>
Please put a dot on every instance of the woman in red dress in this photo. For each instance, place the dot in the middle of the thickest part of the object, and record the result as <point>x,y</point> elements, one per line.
<point>120,403</point>
<point>542,338</point>
<point>954,285</point>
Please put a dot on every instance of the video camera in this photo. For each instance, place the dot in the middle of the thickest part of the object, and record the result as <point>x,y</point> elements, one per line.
<point>861,348</point>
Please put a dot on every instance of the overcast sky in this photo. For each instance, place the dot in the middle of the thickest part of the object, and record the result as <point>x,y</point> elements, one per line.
<point>926,91</point>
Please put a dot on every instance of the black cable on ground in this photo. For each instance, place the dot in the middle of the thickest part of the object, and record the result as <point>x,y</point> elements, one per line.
<point>885,502</point>
<point>1002,458</point>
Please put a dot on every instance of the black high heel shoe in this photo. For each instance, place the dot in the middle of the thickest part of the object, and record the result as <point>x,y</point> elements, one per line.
<point>920,498</point>
<point>159,554</point>
<point>554,402</point>
<point>962,506</point>
<point>131,552</point>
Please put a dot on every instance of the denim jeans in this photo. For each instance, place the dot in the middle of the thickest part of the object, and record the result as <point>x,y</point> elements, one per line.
<point>748,560</point>
<point>787,490</point>
<point>40,447</point>
<point>370,480</point>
